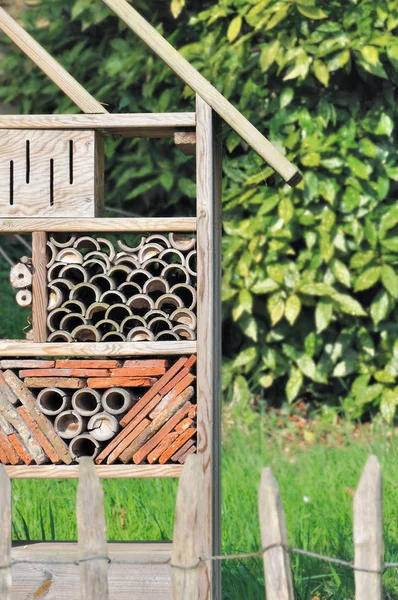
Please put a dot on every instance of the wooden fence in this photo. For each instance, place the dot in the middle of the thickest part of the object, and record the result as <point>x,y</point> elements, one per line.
<point>186,560</point>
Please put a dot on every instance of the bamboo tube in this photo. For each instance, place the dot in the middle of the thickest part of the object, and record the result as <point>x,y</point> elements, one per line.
<point>118,312</point>
<point>149,251</point>
<point>69,424</point>
<point>168,303</point>
<point>117,401</point>
<point>103,282</point>
<point>176,274</point>
<point>106,325</point>
<point>86,292</point>
<point>172,256</point>
<point>139,276</point>
<point>75,306</point>
<point>184,332</point>
<point>191,263</point>
<point>70,256</point>
<point>158,238</point>
<point>95,266</point>
<point>120,273</point>
<point>75,273</point>
<point>86,402</point>
<point>20,277</point>
<point>130,322</point>
<point>84,445</point>
<point>60,336</point>
<point>129,288</point>
<point>71,321</point>
<point>54,271</point>
<point>128,261</point>
<point>53,401</point>
<point>156,287</point>
<point>111,249</point>
<point>86,333</point>
<point>113,297</point>
<point>114,336</point>
<point>140,334</point>
<point>154,266</point>
<point>152,314</point>
<point>63,284</point>
<point>159,324</point>
<point>96,312</point>
<point>55,317</point>
<point>128,249</point>
<point>53,252</point>
<point>62,240</point>
<point>103,426</point>
<point>166,336</point>
<point>187,293</point>
<point>184,316</point>
<point>55,297</point>
<point>140,304</point>
<point>24,298</point>
<point>101,256</point>
<point>87,242</point>
<point>181,242</point>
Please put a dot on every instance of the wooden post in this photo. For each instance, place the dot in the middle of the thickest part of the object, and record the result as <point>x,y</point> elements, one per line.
<point>39,287</point>
<point>368,533</point>
<point>5,535</point>
<point>278,579</point>
<point>91,534</point>
<point>209,157</point>
<point>187,529</point>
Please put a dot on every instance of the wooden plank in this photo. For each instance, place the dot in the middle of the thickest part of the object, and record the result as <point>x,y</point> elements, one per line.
<point>110,382</point>
<point>27,364</point>
<point>49,65</point>
<point>103,471</point>
<point>104,225</point>
<point>72,383</point>
<point>87,364</point>
<point>64,373</point>
<point>115,122</point>
<point>205,89</point>
<point>39,435</point>
<point>22,348</point>
<point>187,533</point>
<point>368,533</point>
<point>209,158</point>
<point>91,526</point>
<point>30,403</point>
<point>39,287</point>
<point>138,372</point>
<point>5,535</point>
<point>278,578</point>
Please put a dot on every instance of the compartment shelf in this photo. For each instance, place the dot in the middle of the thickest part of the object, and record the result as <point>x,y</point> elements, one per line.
<point>103,471</point>
<point>18,348</point>
<point>101,225</point>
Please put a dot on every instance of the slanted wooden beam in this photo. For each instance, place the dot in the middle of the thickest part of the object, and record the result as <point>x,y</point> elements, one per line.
<point>205,90</point>
<point>76,92</point>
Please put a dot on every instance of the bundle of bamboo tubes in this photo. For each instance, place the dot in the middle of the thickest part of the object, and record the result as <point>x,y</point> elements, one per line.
<point>98,292</point>
<point>113,411</point>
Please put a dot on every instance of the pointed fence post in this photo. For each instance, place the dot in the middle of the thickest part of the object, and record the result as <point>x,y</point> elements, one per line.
<point>91,533</point>
<point>278,578</point>
<point>5,535</point>
<point>187,533</point>
<point>368,533</point>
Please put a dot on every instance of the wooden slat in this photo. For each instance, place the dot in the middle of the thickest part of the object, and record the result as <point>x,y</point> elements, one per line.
<point>187,533</point>
<point>5,535</point>
<point>49,65</point>
<point>39,286</point>
<point>278,578</point>
<point>368,533</point>
<point>205,89</point>
<point>97,225</point>
<point>21,348</point>
<point>209,157</point>
<point>103,471</point>
<point>91,526</point>
<point>115,122</point>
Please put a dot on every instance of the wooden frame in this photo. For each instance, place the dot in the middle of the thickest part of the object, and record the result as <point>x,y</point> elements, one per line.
<point>103,471</point>
<point>88,349</point>
<point>22,225</point>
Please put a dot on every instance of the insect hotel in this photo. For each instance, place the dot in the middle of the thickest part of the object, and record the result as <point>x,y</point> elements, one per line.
<point>123,361</point>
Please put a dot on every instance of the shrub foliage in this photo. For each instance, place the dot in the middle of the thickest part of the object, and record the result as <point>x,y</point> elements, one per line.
<point>310,286</point>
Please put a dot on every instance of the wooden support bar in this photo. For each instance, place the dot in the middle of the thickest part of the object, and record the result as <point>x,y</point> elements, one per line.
<point>84,225</point>
<point>5,535</point>
<point>186,142</point>
<point>39,287</point>
<point>89,349</point>
<point>103,471</point>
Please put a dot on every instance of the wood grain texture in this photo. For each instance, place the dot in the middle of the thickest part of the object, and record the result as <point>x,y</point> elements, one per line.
<point>39,287</point>
<point>91,527</point>
<point>114,122</point>
<point>209,157</point>
<point>205,89</point>
<point>89,349</point>
<point>103,471</point>
<point>85,225</point>
<point>278,578</point>
<point>187,532</point>
<point>368,533</point>
<point>5,535</point>
<point>49,65</point>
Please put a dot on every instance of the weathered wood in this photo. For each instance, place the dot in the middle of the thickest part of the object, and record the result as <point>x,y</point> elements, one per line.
<point>187,533</point>
<point>86,364</point>
<point>5,535</point>
<point>39,435</point>
<point>110,382</point>
<point>39,287</point>
<point>27,364</point>
<point>64,373</point>
<point>208,160</point>
<point>24,348</point>
<point>176,445</point>
<point>186,142</point>
<point>20,449</point>
<point>29,402</point>
<point>49,65</point>
<point>278,578</point>
<point>104,471</point>
<point>128,225</point>
<point>91,526</point>
<point>20,277</point>
<point>72,383</point>
<point>368,533</point>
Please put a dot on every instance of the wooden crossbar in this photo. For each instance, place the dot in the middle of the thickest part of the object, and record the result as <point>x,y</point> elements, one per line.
<point>97,225</point>
<point>103,471</point>
<point>21,348</point>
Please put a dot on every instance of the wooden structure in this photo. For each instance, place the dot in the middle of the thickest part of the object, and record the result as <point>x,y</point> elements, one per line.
<point>51,186</point>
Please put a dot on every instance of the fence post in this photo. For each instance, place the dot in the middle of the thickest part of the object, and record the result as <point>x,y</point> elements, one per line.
<point>187,532</point>
<point>278,578</point>
<point>5,535</point>
<point>91,528</point>
<point>368,532</point>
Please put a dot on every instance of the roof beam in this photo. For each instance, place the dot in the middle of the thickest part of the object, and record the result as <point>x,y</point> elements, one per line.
<point>205,90</point>
<point>49,65</point>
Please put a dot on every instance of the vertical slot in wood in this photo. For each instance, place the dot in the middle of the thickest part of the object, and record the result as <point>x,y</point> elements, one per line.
<point>11,183</point>
<point>52,182</point>
<point>27,161</point>
<point>71,162</point>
